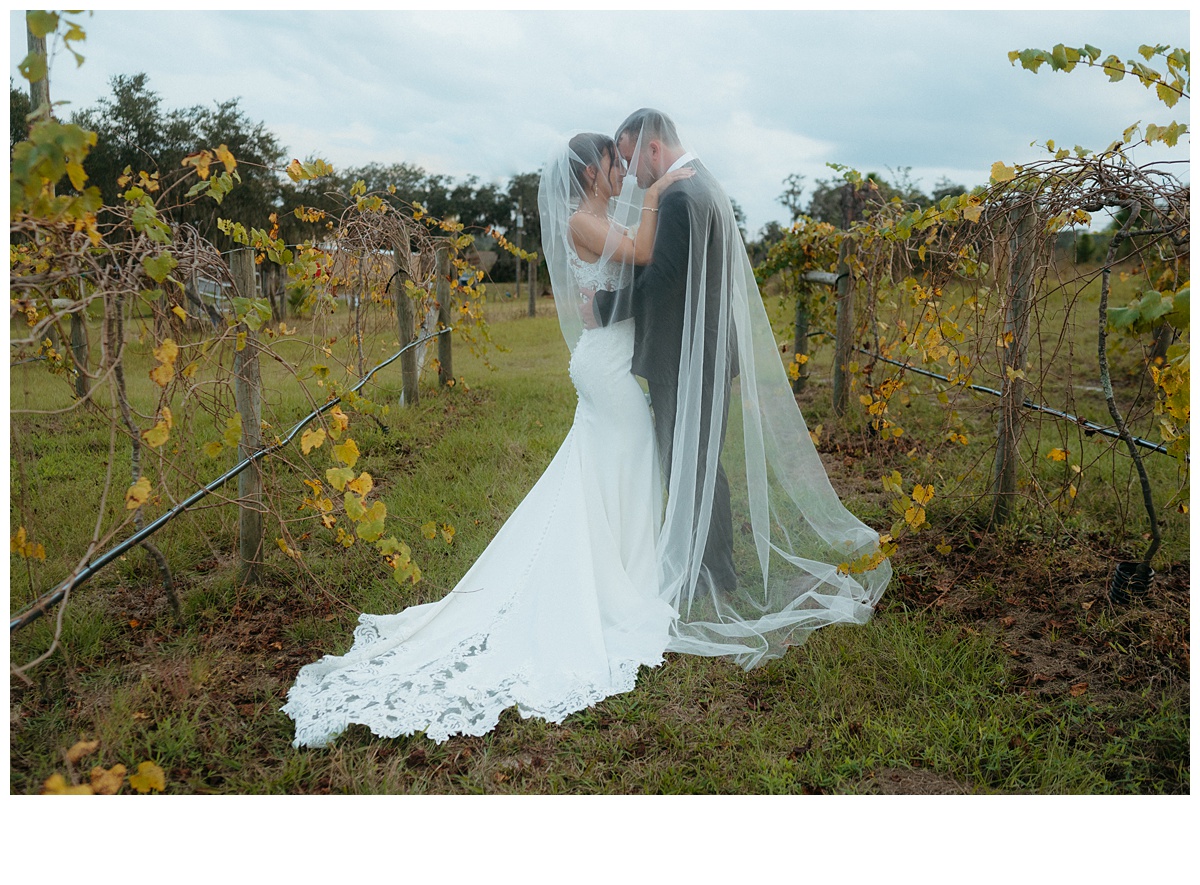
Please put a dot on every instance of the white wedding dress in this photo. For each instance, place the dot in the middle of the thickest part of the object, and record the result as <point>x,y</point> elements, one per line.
<point>559,611</point>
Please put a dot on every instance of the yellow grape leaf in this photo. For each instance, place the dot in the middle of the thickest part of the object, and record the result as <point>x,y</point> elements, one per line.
<point>448,533</point>
<point>168,418</point>
<point>149,777</point>
<point>312,439</point>
<point>179,312</point>
<point>226,157</point>
<point>943,548</point>
<point>56,785</point>
<point>137,494</point>
<point>107,782</point>
<point>241,342</point>
<point>865,399</point>
<point>405,570</point>
<point>362,485</point>
<point>157,435</point>
<point>162,374</point>
<point>233,431</point>
<point>347,452</point>
<point>390,545</point>
<point>922,494</point>
<point>167,352</point>
<point>1058,454</point>
<point>339,476</point>
<point>327,520</point>
<point>190,369</point>
<point>973,213</point>
<point>429,530</point>
<point>370,529</point>
<point>1014,374</point>
<point>200,160</point>
<point>213,449</point>
<point>354,506</point>
<point>288,551</point>
<point>81,749</point>
<point>1072,491</point>
<point>28,549</point>
<point>1002,173</point>
<point>339,421</point>
<point>915,516</point>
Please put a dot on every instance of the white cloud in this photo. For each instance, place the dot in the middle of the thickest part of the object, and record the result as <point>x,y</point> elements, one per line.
<point>758,94</point>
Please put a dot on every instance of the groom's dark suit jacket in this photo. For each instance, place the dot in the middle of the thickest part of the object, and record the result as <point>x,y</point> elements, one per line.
<point>697,208</point>
<point>658,296</point>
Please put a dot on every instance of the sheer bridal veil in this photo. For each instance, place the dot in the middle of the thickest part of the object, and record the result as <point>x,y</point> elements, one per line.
<point>756,550</point>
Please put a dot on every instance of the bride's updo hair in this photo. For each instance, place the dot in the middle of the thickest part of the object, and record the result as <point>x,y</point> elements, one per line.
<point>587,149</point>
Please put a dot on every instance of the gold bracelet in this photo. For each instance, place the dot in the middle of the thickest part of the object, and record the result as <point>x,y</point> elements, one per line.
<point>648,209</point>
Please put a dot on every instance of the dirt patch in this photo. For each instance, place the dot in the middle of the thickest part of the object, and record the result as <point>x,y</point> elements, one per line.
<point>1048,607</point>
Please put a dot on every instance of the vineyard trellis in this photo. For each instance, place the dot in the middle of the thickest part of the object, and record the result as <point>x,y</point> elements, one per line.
<point>130,277</point>
<point>971,292</point>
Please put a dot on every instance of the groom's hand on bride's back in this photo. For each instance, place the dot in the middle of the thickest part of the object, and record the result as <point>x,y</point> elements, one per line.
<point>587,310</point>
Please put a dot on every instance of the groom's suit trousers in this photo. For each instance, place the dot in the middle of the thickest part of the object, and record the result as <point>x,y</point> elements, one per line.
<point>718,550</point>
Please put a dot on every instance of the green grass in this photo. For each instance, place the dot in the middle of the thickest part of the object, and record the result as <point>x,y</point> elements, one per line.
<point>959,684</point>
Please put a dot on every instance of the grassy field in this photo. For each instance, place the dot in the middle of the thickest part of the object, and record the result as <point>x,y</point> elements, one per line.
<point>999,669</point>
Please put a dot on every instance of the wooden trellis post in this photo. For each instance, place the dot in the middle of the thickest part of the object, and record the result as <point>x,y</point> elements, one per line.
<point>79,348</point>
<point>247,395</point>
<point>445,364</point>
<point>533,274</point>
<point>404,323</point>
<point>1022,252</point>
<point>800,346</point>
<point>844,343</point>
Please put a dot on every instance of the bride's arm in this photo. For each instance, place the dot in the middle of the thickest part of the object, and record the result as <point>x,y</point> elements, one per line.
<point>593,233</point>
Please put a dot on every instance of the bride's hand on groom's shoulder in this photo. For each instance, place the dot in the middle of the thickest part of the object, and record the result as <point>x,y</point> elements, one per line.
<point>669,179</point>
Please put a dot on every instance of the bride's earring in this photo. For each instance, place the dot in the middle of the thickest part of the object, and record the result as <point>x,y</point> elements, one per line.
<point>595,190</point>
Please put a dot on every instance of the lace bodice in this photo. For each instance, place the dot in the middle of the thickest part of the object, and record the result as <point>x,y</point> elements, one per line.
<point>594,275</point>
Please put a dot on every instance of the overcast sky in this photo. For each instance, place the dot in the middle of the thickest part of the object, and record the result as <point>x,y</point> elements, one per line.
<point>757,95</point>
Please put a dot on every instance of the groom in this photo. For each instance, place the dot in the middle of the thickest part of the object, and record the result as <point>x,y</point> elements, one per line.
<point>688,276</point>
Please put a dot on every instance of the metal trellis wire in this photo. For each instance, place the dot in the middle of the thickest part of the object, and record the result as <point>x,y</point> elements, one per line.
<point>55,596</point>
<point>1028,404</point>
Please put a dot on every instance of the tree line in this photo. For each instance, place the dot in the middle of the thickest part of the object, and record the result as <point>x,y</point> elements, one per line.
<point>136,130</point>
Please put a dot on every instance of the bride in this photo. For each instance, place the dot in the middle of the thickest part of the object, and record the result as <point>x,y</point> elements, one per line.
<point>563,607</point>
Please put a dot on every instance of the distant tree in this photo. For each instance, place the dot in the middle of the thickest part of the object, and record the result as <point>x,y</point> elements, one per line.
<point>740,217</point>
<point>259,157</point>
<point>825,204</point>
<point>946,188</point>
<point>771,233</point>
<point>134,130</point>
<point>522,191</point>
<point>790,198</point>
<point>1085,247</point>
<point>19,108</point>
<point>901,186</point>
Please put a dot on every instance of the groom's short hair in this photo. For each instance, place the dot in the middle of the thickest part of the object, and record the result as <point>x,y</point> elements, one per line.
<point>648,123</point>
